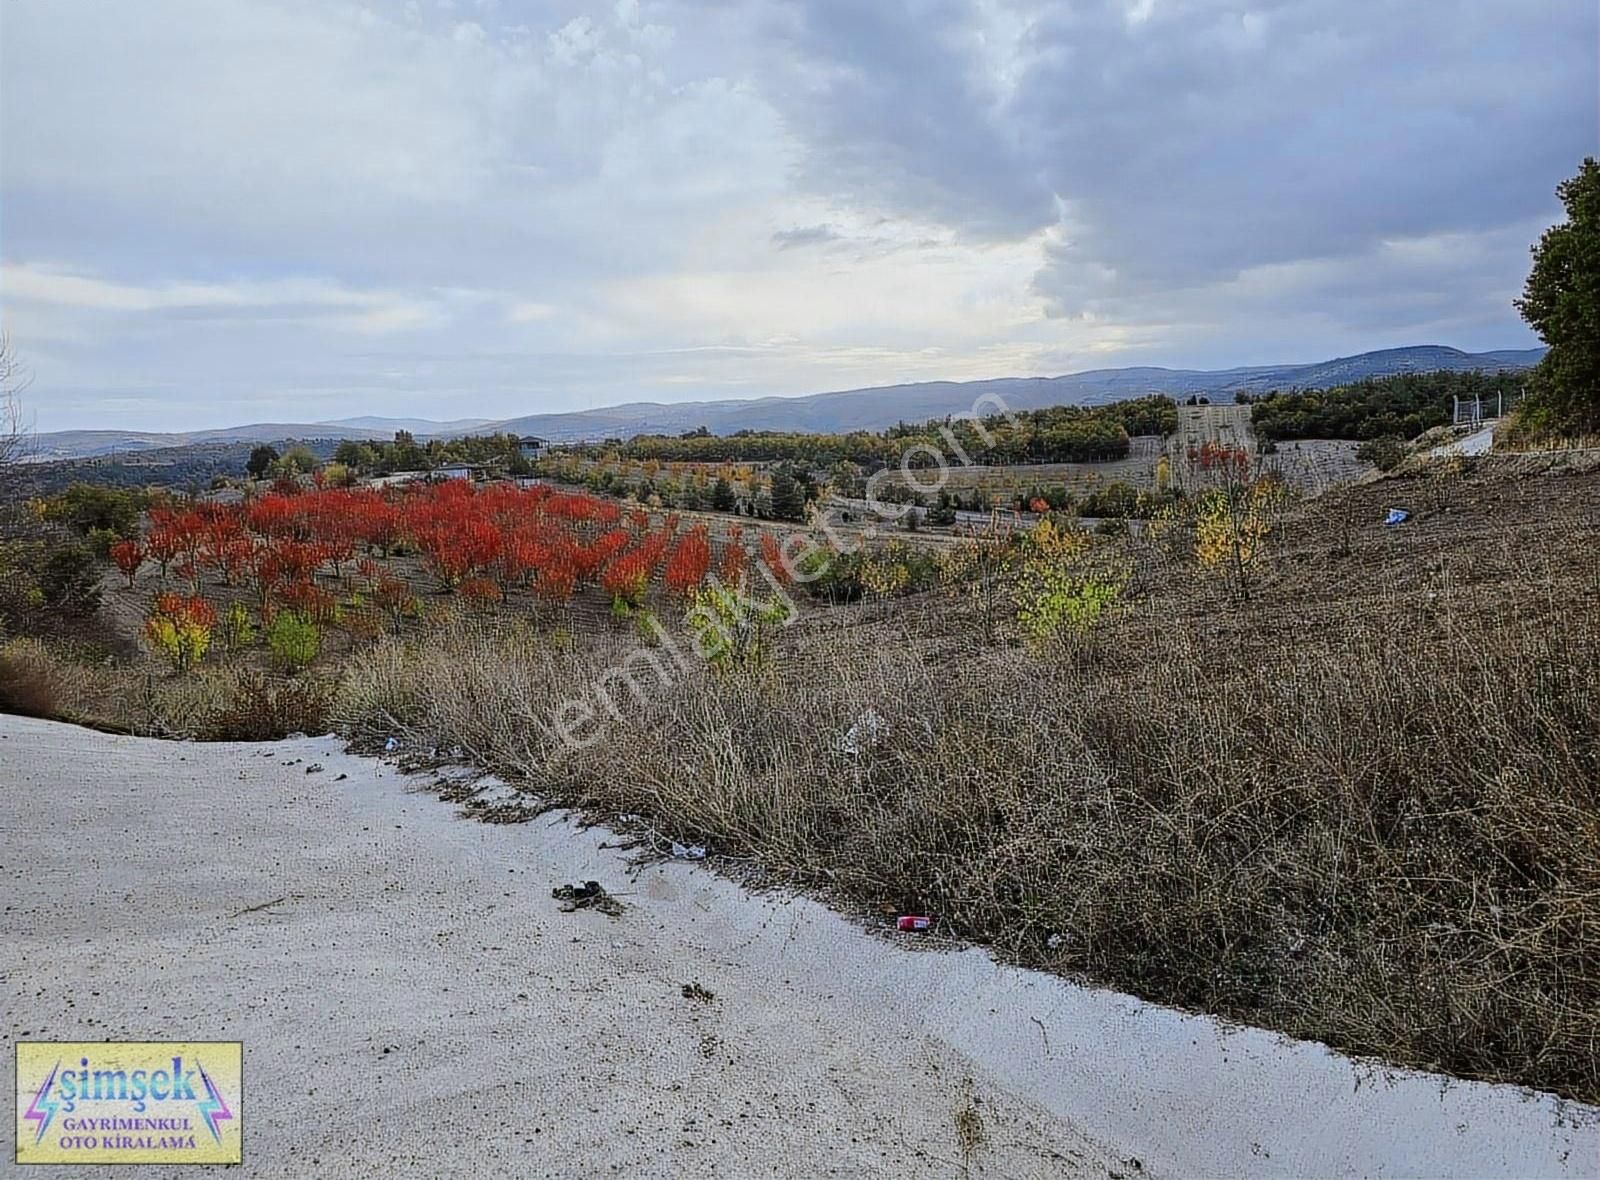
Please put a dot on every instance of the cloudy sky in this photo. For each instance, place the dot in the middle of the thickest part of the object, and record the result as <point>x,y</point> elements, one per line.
<point>217,211</point>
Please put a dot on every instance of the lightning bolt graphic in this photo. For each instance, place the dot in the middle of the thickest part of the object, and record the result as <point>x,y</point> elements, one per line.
<point>43,1107</point>
<point>212,1107</point>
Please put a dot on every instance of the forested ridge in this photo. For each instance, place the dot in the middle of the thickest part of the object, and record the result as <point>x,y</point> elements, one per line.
<point>1404,405</point>
<point>1056,434</point>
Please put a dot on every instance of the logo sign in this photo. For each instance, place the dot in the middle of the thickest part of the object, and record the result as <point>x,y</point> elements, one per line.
<point>130,1102</point>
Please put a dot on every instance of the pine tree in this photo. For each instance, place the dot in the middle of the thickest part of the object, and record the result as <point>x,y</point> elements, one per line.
<point>261,460</point>
<point>1561,302</point>
<point>788,499</point>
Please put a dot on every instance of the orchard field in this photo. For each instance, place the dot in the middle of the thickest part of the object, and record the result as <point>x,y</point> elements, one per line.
<point>301,570</point>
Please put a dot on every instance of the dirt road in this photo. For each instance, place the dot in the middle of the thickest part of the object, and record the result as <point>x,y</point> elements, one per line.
<point>1476,442</point>
<point>413,1003</point>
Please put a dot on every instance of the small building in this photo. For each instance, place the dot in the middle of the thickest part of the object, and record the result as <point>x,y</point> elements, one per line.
<point>532,446</point>
<point>472,472</point>
<point>396,479</point>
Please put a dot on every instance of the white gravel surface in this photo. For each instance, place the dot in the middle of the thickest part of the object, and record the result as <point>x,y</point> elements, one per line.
<point>413,1003</point>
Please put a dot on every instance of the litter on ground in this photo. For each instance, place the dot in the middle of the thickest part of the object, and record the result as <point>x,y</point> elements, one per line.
<point>590,895</point>
<point>864,734</point>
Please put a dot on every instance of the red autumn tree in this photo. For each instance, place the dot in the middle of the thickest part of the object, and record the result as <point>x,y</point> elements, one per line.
<point>627,576</point>
<point>161,544</point>
<point>690,562</point>
<point>772,558</point>
<point>128,556</point>
<point>733,566</point>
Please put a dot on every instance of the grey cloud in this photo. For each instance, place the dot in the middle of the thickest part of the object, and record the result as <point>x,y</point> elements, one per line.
<point>1324,128</point>
<point>1208,137</point>
<point>891,99</point>
<point>1218,179</point>
<point>805,235</point>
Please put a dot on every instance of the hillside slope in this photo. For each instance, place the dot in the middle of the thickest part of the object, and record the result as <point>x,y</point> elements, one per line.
<point>872,408</point>
<point>882,406</point>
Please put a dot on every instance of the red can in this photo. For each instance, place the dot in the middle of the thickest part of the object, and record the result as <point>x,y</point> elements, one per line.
<point>913,922</point>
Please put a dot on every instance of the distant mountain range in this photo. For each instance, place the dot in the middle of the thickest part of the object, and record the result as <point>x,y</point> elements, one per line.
<point>387,426</point>
<point>851,409</point>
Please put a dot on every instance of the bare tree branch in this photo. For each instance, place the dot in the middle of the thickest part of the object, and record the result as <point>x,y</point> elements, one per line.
<point>16,434</point>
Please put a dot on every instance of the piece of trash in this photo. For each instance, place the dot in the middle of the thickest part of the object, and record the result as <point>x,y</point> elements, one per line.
<point>913,922</point>
<point>693,991</point>
<point>314,768</point>
<point>1396,516</point>
<point>867,732</point>
<point>688,851</point>
<point>390,745</point>
<point>1054,942</point>
<point>591,895</point>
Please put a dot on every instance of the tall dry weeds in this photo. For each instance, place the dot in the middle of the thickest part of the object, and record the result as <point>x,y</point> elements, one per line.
<point>1386,836</point>
<point>1364,809</point>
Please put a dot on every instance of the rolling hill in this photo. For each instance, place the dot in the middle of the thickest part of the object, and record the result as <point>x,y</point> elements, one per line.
<point>876,408</point>
<point>852,409</point>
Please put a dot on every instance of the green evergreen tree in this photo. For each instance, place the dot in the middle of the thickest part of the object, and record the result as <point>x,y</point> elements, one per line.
<point>261,460</point>
<point>1561,302</point>
<point>788,499</point>
<point>405,455</point>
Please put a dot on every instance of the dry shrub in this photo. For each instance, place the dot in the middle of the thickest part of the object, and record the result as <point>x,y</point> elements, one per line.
<point>1386,837</point>
<point>175,706</point>
<point>33,683</point>
<point>220,704</point>
<point>482,683</point>
<point>263,708</point>
<point>208,704</point>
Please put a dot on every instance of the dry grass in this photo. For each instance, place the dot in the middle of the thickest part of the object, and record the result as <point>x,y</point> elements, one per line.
<point>31,682</point>
<point>55,680</point>
<point>1370,819</point>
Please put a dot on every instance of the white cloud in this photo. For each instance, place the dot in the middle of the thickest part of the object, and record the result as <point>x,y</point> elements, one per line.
<point>330,303</point>
<point>257,207</point>
<point>527,311</point>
